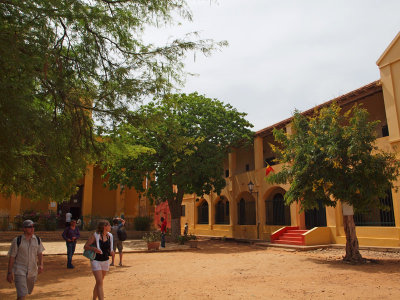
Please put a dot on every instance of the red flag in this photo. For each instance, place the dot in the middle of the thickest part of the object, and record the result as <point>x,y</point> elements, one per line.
<point>268,170</point>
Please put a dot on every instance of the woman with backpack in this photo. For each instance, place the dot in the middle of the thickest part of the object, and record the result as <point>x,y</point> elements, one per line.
<point>101,242</point>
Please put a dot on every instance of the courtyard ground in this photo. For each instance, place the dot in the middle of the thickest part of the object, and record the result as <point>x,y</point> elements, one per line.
<point>222,270</point>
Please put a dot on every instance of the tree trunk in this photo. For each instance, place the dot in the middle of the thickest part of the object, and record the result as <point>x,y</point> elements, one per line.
<point>352,248</point>
<point>175,210</point>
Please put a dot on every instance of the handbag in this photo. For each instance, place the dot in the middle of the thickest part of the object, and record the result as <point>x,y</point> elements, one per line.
<point>89,254</point>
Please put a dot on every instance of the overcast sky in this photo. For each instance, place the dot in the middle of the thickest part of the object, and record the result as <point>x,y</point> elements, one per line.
<point>285,55</point>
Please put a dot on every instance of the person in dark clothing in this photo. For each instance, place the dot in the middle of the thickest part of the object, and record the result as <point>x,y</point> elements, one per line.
<point>70,235</point>
<point>163,231</point>
<point>100,242</point>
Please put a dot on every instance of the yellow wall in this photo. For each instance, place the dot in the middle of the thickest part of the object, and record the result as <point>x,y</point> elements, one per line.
<point>27,204</point>
<point>131,203</point>
<point>103,199</point>
<point>5,205</point>
<point>244,156</point>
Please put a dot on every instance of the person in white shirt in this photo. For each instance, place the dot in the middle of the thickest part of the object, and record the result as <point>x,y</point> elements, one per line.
<point>68,217</point>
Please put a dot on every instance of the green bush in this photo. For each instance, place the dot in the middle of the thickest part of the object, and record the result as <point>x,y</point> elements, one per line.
<point>92,224</point>
<point>43,221</point>
<point>142,223</point>
<point>182,239</point>
<point>153,236</point>
<point>49,221</point>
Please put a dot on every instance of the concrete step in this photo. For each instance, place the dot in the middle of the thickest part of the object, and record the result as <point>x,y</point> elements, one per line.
<point>286,242</point>
<point>291,237</point>
<point>296,231</point>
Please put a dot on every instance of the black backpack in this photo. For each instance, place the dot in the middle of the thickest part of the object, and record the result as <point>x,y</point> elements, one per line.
<point>121,233</point>
<point>20,237</point>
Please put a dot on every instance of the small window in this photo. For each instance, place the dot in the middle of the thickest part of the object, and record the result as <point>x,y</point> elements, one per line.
<point>385,130</point>
<point>183,210</point>
<point>226,173</point>
<point>247,167</point>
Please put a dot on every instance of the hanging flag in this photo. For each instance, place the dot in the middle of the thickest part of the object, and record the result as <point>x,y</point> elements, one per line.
<point>268,169</point>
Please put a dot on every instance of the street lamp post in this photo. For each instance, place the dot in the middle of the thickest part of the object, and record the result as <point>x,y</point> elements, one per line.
<point>251,188</point>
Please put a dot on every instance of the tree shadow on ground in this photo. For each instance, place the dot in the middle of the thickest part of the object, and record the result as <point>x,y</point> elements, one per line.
<point>371,265</point>
<point>223,247</point>
<point>51,263</point>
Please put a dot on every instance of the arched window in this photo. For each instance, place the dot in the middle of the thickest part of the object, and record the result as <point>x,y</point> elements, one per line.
<point>222,211</point>
<point>247,212</point>
<point>202,210</point>
<point>277,212</point>
<point>242,212</point>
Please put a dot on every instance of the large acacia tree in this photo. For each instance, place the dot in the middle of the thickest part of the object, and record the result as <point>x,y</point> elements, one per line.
<point>179,144</point>
<point>65,63</point>
<point>331,157</point>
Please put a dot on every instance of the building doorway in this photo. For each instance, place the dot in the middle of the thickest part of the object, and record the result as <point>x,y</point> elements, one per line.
<point>73,205</point>
<point>316,217</point>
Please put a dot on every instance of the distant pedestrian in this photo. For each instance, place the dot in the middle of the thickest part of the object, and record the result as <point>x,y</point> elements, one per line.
<point>101,242</point>
<point>25,260</point>
<point>186,229</point>
<point>70,235</point>
<point>68,217</point>
<point>163,231</point>
<point>118,223</point>
<point>79,223</point>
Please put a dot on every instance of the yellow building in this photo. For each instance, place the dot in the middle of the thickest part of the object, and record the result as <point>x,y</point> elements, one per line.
<point>239,213</point>
<point>91,200</point>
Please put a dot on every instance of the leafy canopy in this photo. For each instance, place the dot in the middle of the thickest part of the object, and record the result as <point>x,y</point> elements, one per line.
<point>65,62</point>
<point>181,140</point>
<point>331,156</point>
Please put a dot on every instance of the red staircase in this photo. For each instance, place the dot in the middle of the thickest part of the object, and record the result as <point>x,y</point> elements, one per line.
<point>289,236</point>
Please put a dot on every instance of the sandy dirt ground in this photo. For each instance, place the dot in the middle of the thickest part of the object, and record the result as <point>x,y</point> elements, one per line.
<point>223,270</point>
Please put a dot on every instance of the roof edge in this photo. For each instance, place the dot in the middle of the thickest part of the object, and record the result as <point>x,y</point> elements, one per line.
<point>354,95</point>
<point>388,49</point>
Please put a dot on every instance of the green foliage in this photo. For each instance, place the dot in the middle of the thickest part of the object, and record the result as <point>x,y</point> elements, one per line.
<point>181,140</point>
<point>93,221</point>
<point>192,236</point>
<point>142,223</point>
<point>66,62</point>
<point>330,157</point>
<point>182,239</point>
<point>153,236</point>
<point>43,221</point>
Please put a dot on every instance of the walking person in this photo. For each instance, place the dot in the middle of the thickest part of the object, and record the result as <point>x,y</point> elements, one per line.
<point>101,242</point>
<point>71,235</point>
<point>25,260</point>
<point>163,231</point>
<point>186,229</point>
<point>118,223</point>
<point>68,217</point>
